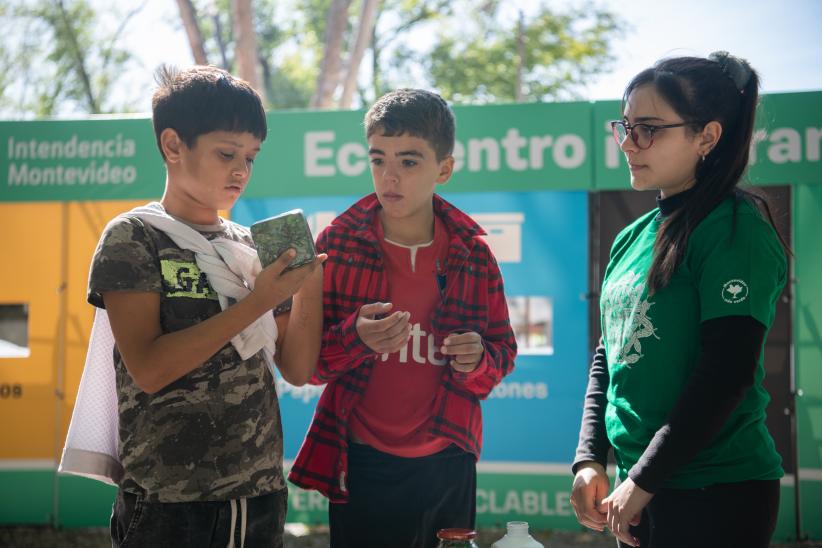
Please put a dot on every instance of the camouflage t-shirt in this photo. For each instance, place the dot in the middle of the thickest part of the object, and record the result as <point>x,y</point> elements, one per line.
<point>215,433</point>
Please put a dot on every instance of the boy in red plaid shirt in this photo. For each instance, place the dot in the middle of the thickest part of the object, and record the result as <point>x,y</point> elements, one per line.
<point>416,333</point>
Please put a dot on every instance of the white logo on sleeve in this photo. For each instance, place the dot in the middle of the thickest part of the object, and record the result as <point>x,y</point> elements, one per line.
<point>734,291</point>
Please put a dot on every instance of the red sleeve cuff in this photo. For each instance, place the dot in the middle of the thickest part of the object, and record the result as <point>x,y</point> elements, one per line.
<point>351,341</point>
<point>478,371</point>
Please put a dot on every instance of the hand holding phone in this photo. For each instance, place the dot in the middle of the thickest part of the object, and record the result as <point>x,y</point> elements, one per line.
<point>273,236</point>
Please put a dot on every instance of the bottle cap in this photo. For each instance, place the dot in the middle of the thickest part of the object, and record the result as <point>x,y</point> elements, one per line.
<point>517,527</point>
<point>456,534</point>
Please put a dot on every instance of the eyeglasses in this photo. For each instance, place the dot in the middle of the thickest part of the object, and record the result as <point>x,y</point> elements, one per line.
<point>641,134</point>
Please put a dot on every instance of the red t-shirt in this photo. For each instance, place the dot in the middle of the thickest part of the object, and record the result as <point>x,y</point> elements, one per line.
<point>398,403</point>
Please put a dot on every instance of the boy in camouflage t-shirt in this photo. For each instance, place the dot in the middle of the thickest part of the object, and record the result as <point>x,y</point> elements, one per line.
<point>200,431</point>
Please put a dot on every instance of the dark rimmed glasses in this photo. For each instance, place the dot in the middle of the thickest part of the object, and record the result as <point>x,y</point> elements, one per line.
<point>641,134</point>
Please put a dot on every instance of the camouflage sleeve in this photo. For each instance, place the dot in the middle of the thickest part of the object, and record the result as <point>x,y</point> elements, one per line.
<point>125,260</point>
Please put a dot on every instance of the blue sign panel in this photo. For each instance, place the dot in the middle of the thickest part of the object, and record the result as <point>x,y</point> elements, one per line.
<point>540,240</point>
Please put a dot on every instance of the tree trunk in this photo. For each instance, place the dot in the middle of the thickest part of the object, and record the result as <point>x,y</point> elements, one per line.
<point>329,76</point>
<point>195,38</point>
<point>245,44</point>
<point>79,59</point>
<point>218,35</point>
<point>375,62</point>
<point>365,32</point>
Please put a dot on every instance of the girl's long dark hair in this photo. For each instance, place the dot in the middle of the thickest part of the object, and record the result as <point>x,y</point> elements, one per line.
<point>700,91</point>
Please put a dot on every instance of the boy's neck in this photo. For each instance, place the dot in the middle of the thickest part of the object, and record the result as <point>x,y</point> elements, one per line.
<point>409,231</point>
<point>183,207</point>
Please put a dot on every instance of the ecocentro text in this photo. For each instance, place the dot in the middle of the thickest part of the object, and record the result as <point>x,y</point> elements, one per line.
<point>482,154</point>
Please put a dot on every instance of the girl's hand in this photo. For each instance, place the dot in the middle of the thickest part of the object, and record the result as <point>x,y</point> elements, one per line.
<point>624,507</point>
<point>591,485</point>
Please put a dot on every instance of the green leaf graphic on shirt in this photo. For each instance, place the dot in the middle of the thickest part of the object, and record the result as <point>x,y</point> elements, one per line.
<point>627,308</point>
<point>184,279</point>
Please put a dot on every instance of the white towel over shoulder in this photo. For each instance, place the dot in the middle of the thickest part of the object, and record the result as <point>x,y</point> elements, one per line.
<point>93,436</point>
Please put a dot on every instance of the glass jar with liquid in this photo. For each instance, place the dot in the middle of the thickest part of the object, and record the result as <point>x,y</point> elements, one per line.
<point>456,538</point>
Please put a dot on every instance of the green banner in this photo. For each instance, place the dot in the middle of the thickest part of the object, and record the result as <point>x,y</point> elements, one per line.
<point>785,149</point>
<point>499,147</point>
<point>96,159</point>
<point>788,139</point>
<point>538,498</point>
<point>542,500</point>
<point>513,147</point>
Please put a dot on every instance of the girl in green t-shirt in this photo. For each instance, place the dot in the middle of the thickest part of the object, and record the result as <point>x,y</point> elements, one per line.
<point>687,300</point>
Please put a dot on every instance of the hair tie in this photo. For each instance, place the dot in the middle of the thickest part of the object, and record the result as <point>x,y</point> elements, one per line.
<point>738,70</point>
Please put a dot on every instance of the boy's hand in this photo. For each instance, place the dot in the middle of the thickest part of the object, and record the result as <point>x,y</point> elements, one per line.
<point>466,349</point>
<point>314,281</point>
<point>273,286</point>
<point>386,335</point>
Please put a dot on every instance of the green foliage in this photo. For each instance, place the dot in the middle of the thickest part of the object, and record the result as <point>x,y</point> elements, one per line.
<point>290,37</point>
<point>396,59</point>
<point>295,59</point>
<point>287,44</point>
<point>468,50</point>
<point>61,58</point>
<point>561,52</point>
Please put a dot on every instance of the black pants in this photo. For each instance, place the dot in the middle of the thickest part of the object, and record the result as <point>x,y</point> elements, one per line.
<point>403,502</point>
<point>725,515</point>
<point>137,523</point>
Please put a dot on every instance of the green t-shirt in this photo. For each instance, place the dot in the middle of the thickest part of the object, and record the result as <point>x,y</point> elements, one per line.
<point>732,267</point>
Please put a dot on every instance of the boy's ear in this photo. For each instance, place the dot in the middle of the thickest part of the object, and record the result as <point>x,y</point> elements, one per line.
<point>171,144</point>
<point>446,169</point>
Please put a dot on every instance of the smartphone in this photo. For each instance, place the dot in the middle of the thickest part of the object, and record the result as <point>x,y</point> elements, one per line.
<point>273,236</point>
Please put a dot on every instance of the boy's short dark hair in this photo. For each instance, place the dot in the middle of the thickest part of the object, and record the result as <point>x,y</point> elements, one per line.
<point>203,99</point>
<point>415,112</point>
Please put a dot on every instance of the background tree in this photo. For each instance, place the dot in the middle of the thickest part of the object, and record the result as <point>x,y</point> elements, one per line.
<point>546,56</point>
<point>246,43</point>
<point>253,40</point>
<point>362,38</point>
<point>331,65</point>
<point>188,15</point>
<point>311,52</point>
<point>397,47</point>
<point>57,58</point>
<point>483,51</point>
<point>61,56</point>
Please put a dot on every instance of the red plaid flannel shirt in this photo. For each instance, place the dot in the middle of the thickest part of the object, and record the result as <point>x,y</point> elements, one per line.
<point>473,300</point>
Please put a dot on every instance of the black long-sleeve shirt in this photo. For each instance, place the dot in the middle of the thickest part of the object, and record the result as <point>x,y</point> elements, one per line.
<point>729,353</point>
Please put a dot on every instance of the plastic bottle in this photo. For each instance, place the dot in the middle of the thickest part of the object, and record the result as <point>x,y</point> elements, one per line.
<point>517,537</point>
<point>456,538</point>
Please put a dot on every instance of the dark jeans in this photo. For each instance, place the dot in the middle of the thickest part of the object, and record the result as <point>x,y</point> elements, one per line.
<point>401,502</point>
<point>726,515</point>
<point>137,523</point>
